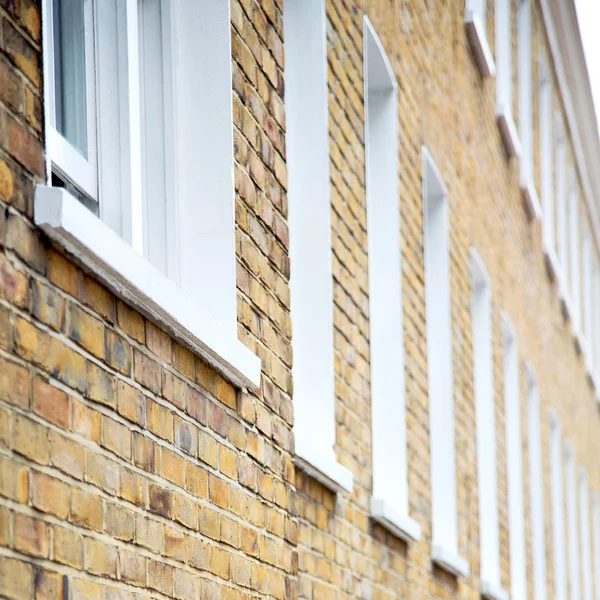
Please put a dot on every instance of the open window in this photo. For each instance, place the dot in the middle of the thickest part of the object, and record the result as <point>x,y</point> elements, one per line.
<point>131,88</point>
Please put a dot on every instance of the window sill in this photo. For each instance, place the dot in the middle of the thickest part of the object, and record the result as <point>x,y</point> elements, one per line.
<point>74,228</point>
<point>450,561</point>
<point>531,199</point>
<point>551,263</point>
<point>565,299</point>
<point>508,131</point>
<point>323,467</point>
<point>479,44</point>
<point>490,591</point>
<point>400,525</point>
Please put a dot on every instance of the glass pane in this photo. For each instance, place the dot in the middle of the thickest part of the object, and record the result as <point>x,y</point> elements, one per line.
<point>70,72</point>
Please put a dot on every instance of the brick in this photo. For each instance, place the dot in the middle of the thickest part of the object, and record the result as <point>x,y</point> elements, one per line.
<point>160,499</point>
<point>230,532</point>
<point>131,404</point>
<point>5,533</point>
<point>240,570</point>
<point>208,450</point>
<point>208,522</point>
<point>11,92</point>
<point>30,439</point>
<point>50,403</point>
<point>49,585</point>
<point>119,521</point>
<point>103,472</point>
<point>25,147</point>
<point>196,480</point>
<point>132,568</point>
<point>67,365</point>
<point>14,480</point>
<point>159,420</point>
<point>85,421</point>
<point>23,54</point>
<point>116,437</point>
<point>175,544</point>
<point>248,541</point>
<point>220,563</point>
<point>64,274</point>
<point>131,322</point>
<point>186,437</point>
<point>183,361</point>
<point>173,467</point>
<point>67,455</point>
<point>228,463</point>
<point>6,334</point>
<point>85,330</point>
<point>101,386</point>
<point>31,536</point>
<point>24,241</point>
<point>86,509</point>
<point>14,383</point>
<point>146,454</point>
<point>206,377</point>
<point>48,305</point>
<point>133,487</point>
<point>4,428</point>
<point>158,342</point>
<point>186,585</point>
<point>175,390</point>
<point>147,372</point>
<point>82,589</point>
<point>149,534</point>
<point>184,511</point>
<point>197,407</point>
<point>226,393</point>
<point>160,577</point>
<point>50,495</point>
<point>16,579</point>
<point>67,547</point>
<point>198,553</point>
<point>99,299</point>
<point>14,285</point>
<point>218,491</point>
<point>31,343</point>
<point>100,558</point>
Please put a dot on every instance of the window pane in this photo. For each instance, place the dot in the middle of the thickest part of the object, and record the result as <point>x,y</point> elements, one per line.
<point>70,72</point>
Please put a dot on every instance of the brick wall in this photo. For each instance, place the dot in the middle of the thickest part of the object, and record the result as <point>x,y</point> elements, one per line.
<point>130,469</point>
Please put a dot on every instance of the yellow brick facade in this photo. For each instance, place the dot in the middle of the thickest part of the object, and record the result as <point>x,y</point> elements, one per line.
<point>130,469</point>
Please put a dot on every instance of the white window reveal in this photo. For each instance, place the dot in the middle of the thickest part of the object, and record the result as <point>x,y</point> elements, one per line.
<point>596,536</point>
<point>524,80</point>
<point>560,188</point>
<point>444,545</point>
<point>546,169</point>
<point>575,256</point>
<point>483,371</point>
<point>504,114</point>
<point>584,527</point>
<point>596,284</point>
<point>572,524</point>
<point>588,309</point>
<point>558,512</point>
<point>389,503</point>
<point>536,487</point>
<point>311,282</point>
<point>475,13</point>
<point>514,464</point>
<point>128,99</point>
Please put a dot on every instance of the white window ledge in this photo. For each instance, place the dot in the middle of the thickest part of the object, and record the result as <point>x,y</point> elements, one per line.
<point>450,561</point>
<point>531,199</point>
<point>552,263</point>
<point>489,591</point>
<point>508,131</point>
<point>565,299</point>
<point>323,466</point>
<point>578,338</point>
<point>400,525</point>
<point>479,44</point>
<point>73,227</point>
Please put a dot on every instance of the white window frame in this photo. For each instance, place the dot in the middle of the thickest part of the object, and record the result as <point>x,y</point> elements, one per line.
<point>572,523</point>
<point>514,463</point>
<point>483,386</point>
<point>536,485</point>
<point>112,245</point>
<point>546,170</point>
<point>575,257</point>
<point>474,19</point>
<point>558,509</point>
<point>309,218</point>
<point>562,236</point>
<point>524,81</point>
<point>442,439</point>
<point>504,100</point>
<point>588,308</point>
<point>584,527</point>
<point>389,502</point>
<point>596,537</point>
<point>596,315</point>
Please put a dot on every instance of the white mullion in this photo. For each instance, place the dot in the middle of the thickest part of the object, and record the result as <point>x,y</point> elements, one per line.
<point>524,86</point>
<point>503,57</point>
<point>573,538</point>
<point>584,527</point>
<point>558,528</point>
<point>575,255</point>
<point>596,533</point>
<point>561,204</point>
<point>545,108</point>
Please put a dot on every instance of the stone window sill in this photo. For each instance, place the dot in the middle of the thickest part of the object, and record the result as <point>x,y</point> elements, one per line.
<point>479,44</point>
<point>400,525</point>
<point>531,199</point>
<point>450,561</point>
<point>490,591</point>
<point>508,131</point>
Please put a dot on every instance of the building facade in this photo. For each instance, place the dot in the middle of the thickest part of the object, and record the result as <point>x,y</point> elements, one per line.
<point>298,299</point>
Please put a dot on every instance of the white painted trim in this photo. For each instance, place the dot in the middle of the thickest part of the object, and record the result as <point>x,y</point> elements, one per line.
<point>322,466</point>
<point>552,264</point>
<point>530,197</point>
<point>572,523</point>
<point>489,591</point>
<point>508,131</point>
<point>400,525</point>
<point>450,561</point>
<point>479,45</point>
<point>584,527</point>
<point>73,227</point>
<point>596,542</point>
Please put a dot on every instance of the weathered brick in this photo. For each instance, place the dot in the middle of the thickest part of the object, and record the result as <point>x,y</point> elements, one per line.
<point>159,420</point>
<point>16,579</point>
<point>186,585</point>
<point>228,462</point>
<point>160,577</point>
<point>86,509</point>
<point>67,547</point>
<point>83,589</point>
<point>158,342</point>
<point>31,343</point>
<point>146,453</point>
<point>64,274</point>
<point>67,455</point>
<point>103,472</point>
<point>14,480</point>
<point>147,372</point>
<point>14,383</point>
<point>220,562</point>
<point>49,585</point>
<point>208,522</point>
<point>131,404</point>
<point>85,421</point>
<point>85,330</point>
<point>196,480</point>
<point>25,242</point>
<point>24,146</point>
<point>14,285</point>
<point>99,299</point>
<point>50,403</point>
<point>47,305</point>
<point>208,449</point>
<point>184,510</point>
<point>118,521</point>
<point>67,365</point>
<point>186,436</point>
<point>149,534</point>
<point>160,499</point>
<point>132,568</point>
<point>133,487</point>
<point>116,437</point>
<point>100,558</point>
<point>183,361</point>
<point>31,440</point>
<point>218,491</point>
<point>175,546</point>
<point>50,495</point>
<point>23,54</point>
<point>131,322</point>
<point>101,386</point>
<point>31,536</point>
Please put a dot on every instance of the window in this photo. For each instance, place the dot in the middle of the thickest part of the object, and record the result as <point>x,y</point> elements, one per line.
<point>311,282</point>
<point>536,487</point>
<point>574,242</point>
<point>596,284</point>
<point>546,169</point>
<point>584,527</point>
<point>558,520</point>
<point>596,535</point>
<point>574,568</point>
<point>588,309</point>
<point>510,137</point>
<point>439,366</point>
<point>514,464</point>
<point>475,25</point>
<point>561,211</point>
<point>525,108</point>
<point>389,504</point>
<point>114,88</point>
<point>483,370</point>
